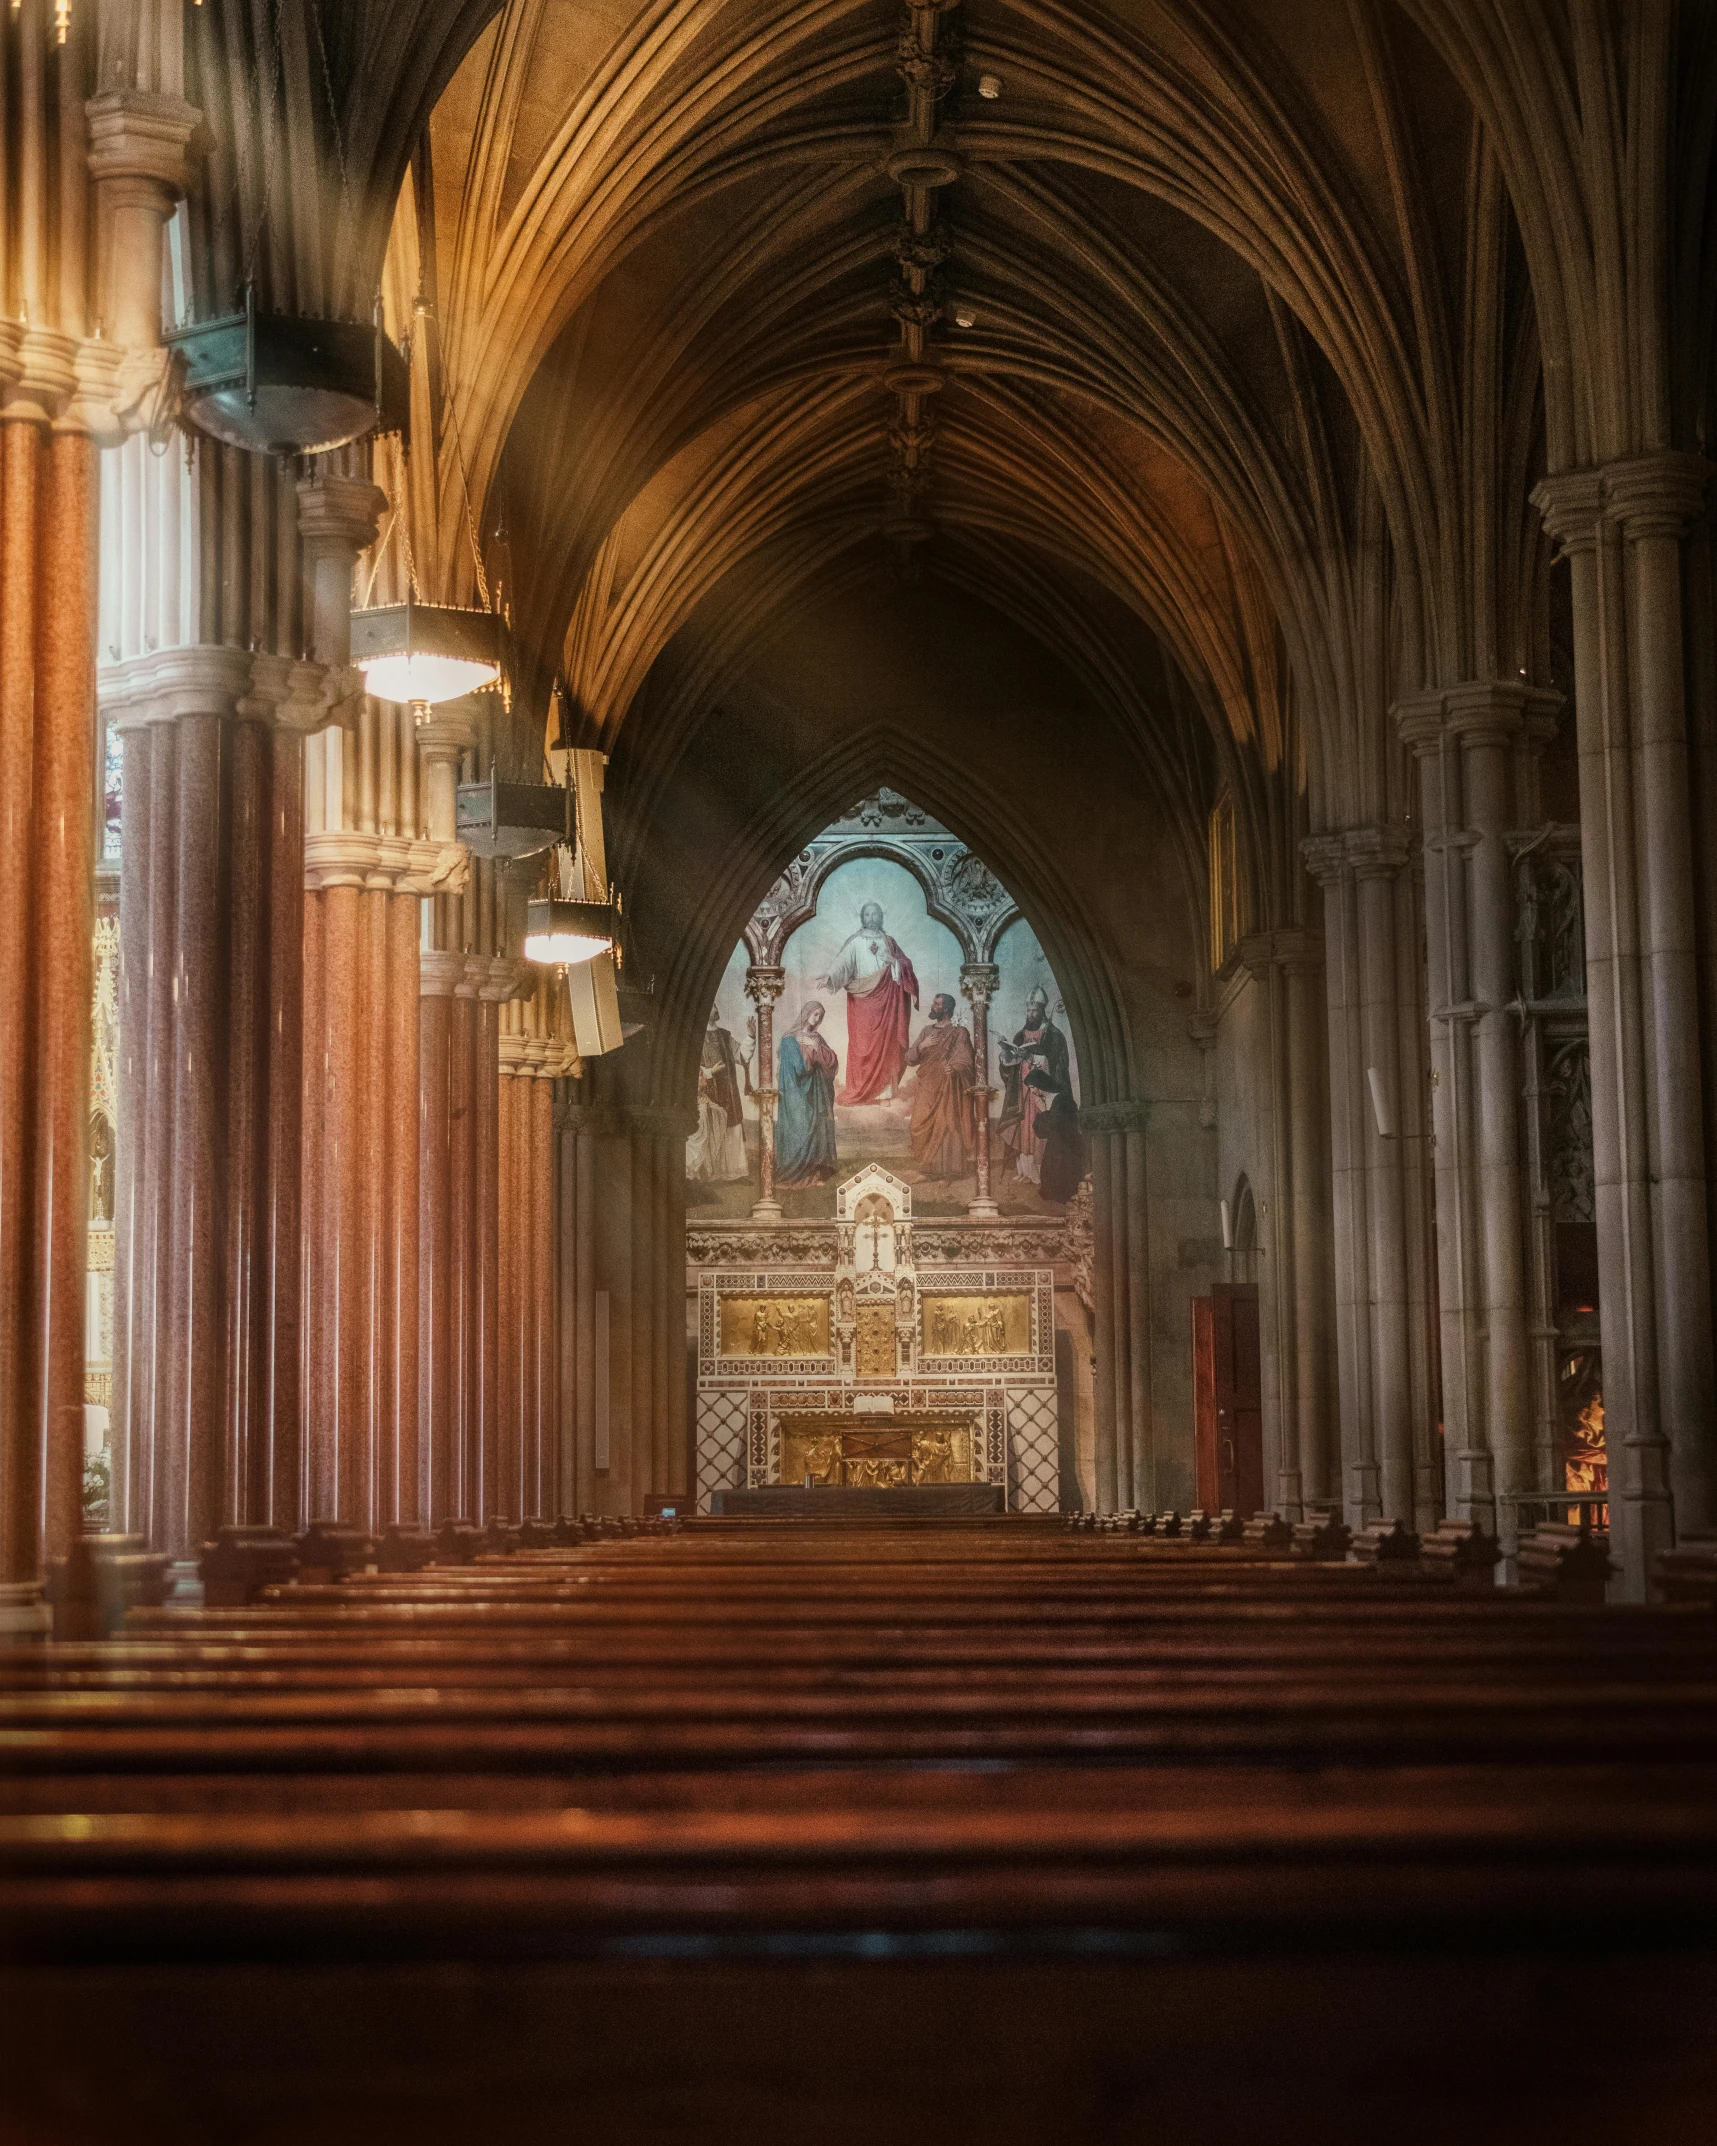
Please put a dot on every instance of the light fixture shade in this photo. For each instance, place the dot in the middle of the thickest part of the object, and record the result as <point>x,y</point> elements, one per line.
<point>276,383</point>
<point>426,652</point>
<point>563,934</point>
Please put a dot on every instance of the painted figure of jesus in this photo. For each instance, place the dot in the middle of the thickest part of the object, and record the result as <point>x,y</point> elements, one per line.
<point>882,989</point>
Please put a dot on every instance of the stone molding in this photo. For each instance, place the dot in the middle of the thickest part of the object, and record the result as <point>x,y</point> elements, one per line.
<point>1654,495</point>
<point>388,864</point>
<point>538,1057</point>
<point>439,973</point>
<point>1290,948</point>
<point>1478,711</point>
<point>141,134</point>
<point>504,976</point>
<point>207,678</point>
<point>1122,1117</point>
<point>336,513</point>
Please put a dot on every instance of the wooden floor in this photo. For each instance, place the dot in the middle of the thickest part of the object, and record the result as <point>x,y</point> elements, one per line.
<point>769,1830</point>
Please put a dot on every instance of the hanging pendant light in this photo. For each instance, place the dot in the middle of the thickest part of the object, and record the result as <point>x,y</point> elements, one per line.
<point>562,930</point>
<point>426,653</point>
<point>282,384</point>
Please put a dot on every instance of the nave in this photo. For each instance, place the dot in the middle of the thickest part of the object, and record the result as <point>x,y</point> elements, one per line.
<point>1014,1829</point>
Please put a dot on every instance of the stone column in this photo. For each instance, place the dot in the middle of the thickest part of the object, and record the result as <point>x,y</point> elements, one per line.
<point>1309,1231</point>
<point>1366,883</point>
<point>764,984</point>
<point>47,729</point>
<point>1294,1284</point>
<point>979,982</point>
<point>1621,529</point>
<point>439,975</point>
<point>1125,1440</point>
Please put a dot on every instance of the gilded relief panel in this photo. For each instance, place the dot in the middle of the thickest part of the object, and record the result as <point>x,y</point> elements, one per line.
<point>829,1450</point>
<point>874,1342</point>
<point>976,1326</point>
<point>774,1326</point>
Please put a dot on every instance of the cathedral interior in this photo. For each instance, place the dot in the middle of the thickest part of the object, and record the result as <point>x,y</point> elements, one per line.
<point>858,1070</point>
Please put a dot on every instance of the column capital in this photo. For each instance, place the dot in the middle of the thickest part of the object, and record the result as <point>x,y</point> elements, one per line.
<point>1658,495</point>
<point>1376,852</point>
<point>1128,1116</point>
<point>980,980</point>
<point>444,737</point>
<point>1487,711</point>
<point>764,983</point>
<point>336,512</point>
<point>439,973</point>
<point>508,976</point>
<point>1325,857</point>
<point>646,1121</point>
<point>1287,949</point>
<point>143,135</point>
<point>387,864</point>
<point>1571,505</point>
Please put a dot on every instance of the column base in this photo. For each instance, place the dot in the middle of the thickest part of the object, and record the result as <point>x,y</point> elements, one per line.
<point>24,1613</point>
<point>982,1211</point>
<point>1472,1488</point>
<point>1290,1497</point>
<point>1365,1494</point>
<point>766,1211</point>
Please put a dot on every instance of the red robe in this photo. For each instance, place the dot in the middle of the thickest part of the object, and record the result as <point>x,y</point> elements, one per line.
<point>879,1020</point>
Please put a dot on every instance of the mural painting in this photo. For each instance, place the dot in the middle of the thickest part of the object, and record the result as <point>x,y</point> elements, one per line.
<point>878,973</point>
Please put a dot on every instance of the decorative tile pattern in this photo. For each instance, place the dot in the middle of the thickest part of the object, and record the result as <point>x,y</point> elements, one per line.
<point>721,1444</point>
<point>1034,1458</point>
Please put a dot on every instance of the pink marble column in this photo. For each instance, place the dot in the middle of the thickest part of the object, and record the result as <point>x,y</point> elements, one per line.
<point>437,1408</point>
<point>20,1461</point>
<point>60,1013</point>
<point>405,1501</point>
<point>979,982</point>
<point>485,1170</point>
<point>509,1490</point>
<point>764,984</point>
<point>545,1300</point>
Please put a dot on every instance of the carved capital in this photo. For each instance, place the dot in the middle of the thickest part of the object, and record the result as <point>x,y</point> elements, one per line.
<point>1657,495</point>
<point>980,981</point>
<point>142,135</point>
<point>339,513</point>
<point>1571,505</point>
<point>1123,1117</point>
<point>439,973</point>
<point>1326,857</point>
<point>764,983</point>
<point>1377,852</point>
<point>387,864</point>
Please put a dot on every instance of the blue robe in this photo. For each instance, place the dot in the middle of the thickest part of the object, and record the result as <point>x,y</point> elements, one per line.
<point>805,1114</point>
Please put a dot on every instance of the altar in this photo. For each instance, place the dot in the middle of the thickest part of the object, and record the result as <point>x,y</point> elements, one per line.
<point>874,1371</point>
<point>930,1501</point>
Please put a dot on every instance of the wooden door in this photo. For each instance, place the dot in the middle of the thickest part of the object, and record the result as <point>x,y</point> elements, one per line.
<point>1228,1399</point>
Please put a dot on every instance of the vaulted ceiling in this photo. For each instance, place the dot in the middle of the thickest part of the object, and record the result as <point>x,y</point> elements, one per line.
<point>1208,289</point>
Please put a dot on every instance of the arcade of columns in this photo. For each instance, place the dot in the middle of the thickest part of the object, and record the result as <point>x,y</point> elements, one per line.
<point>346,1225</point>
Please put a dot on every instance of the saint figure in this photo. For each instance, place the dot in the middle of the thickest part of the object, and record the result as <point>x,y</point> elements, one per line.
<point>942,1093</point>
<point>1060,1144</point>
<point>805,1112</point>
<point>715,1153</point>
<point>1038,1047</point>
<point>882,989</point>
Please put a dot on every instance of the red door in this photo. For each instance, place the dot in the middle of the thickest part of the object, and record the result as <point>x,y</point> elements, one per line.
<point>1228,1399</point>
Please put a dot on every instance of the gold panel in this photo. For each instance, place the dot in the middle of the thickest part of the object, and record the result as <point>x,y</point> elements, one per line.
<point>875,1354</point>
<point>834,1448</point>
<point>774,1326</point>
<point>977,1326</point>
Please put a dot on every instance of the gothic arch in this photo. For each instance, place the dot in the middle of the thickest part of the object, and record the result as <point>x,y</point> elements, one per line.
<point>977,941</point>
<point>978,817</point>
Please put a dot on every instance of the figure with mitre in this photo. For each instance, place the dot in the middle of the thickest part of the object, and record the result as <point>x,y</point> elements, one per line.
<point>882,989</point>
<point>1040,1048</point>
